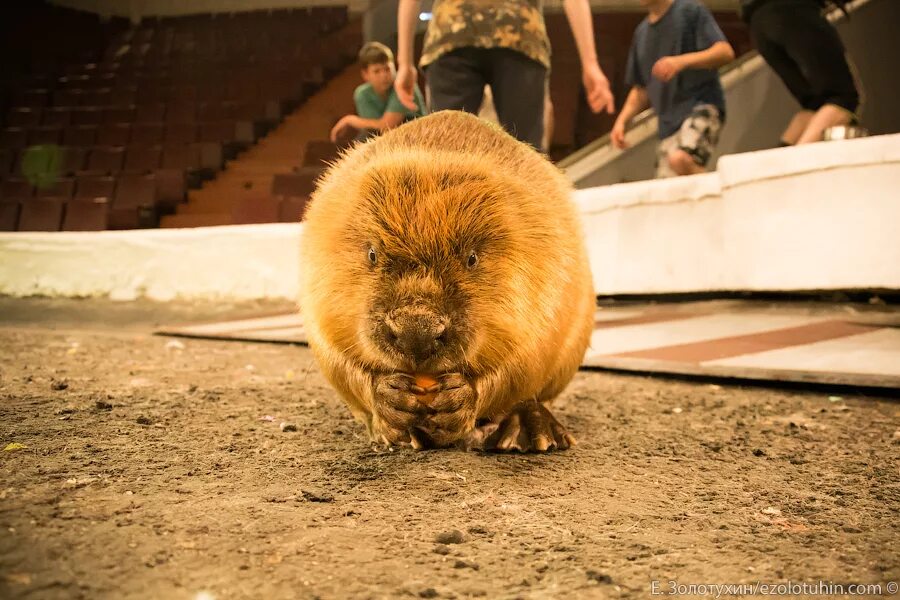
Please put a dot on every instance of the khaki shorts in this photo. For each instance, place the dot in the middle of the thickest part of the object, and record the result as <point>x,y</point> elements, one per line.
<point>698,136</point>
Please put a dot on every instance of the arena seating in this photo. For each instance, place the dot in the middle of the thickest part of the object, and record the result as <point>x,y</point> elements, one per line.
<point>211,119</point>
<point>271,182</point>
<point>130,118</point>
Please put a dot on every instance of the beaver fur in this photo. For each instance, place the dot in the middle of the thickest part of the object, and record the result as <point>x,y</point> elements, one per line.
<point>446,247</point>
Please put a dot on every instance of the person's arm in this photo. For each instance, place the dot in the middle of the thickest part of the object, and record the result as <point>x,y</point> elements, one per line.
<point>717,55</point>
<point>599,96</point>
<point>667,67</point>
<point>405,82</point>
<point>636,102</point>
<point>388,120</point>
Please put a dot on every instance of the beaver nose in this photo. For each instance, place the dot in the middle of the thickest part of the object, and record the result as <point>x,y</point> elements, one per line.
<point>417,336</point>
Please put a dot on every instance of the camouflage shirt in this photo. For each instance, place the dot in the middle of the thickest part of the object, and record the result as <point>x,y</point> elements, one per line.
<point>514,24</point>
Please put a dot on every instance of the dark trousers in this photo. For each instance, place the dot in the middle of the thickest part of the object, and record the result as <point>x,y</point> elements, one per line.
<point>805,51</point>
<point>456,81</point>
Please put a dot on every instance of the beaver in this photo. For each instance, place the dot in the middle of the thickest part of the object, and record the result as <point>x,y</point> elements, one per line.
<point>445,287</point>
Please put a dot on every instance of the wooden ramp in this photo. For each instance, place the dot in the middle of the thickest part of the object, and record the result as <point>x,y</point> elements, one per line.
<point>818,344</point>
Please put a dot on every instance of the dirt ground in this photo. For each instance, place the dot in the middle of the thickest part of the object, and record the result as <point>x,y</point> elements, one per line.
<point>157,468</point>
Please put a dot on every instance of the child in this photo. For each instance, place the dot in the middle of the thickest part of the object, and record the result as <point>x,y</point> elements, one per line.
<point>377,106</point>
<point>672,66</point>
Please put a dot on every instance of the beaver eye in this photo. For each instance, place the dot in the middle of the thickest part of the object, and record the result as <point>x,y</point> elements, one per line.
<point>473,260</point>
<point>373,258</point>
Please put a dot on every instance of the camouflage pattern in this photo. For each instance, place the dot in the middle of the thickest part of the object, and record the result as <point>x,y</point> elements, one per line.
<point>698,136</point>
<point>514,24</point>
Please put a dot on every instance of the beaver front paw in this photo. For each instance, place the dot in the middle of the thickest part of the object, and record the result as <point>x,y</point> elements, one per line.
<point>397,407</point>
<point>528,427</point>
<point>404,415</point>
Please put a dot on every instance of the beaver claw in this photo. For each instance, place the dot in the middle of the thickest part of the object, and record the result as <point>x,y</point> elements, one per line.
<point>528,427</point>
<point>402,415</point>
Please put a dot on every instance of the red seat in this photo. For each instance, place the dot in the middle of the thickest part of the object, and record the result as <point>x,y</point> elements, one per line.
<point>181,133</point>
<point>24,117</point>
<point>142,159</point>
<point>106,160</point>
<point>211,155</point>
<point>64,187</point>
<point>119,114</point>
<point>41,214</point>
<point>170,186</point>
<point>134,190</point>
<point>74,81</point>
<point>35,98</point>
<point>216,111</point>
<point>67,97</point>
<point>44,135</point>
<point>147,133</point>
<point>74,159</point>
<point>96,97</point>
<point>152,95</point>
<point>80,135</point>
<point>181,112</point>
<point>150,113</point>
<point>60,116</point>
<point>14,137</point>
<point>9,214</point>
<point>16,188</point>
<point>114,135</point>
<point>182,94</point>
<point>132,218</point>
<point>218,131</point>
<point>123,95</point>
<point>181,156</point>
<point>86,215</point>
<point>87,115</point>
<point>7,161</point>
<point>90,186</point>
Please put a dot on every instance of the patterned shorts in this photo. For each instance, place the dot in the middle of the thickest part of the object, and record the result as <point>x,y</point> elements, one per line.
<point>698,136</point>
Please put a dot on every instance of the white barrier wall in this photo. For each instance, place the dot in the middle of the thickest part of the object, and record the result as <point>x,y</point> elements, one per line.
<point>817,217</point>
<point>240,262</point>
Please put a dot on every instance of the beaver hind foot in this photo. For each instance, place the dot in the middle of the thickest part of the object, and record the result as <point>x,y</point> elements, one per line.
<point>528,427</point>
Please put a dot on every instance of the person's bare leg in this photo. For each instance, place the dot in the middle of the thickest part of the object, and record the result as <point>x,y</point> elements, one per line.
<point>682,163</point>
<point>796,127</point>
<point>548,124</point>
<point>829,115</point>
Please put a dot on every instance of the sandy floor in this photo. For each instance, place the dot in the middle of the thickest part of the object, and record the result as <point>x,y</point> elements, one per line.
<point>156,468</point>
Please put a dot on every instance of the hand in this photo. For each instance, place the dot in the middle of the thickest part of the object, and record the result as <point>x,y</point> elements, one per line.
<point>405,85</point>
<point>596,86</point>
<point>666,68</point>
<point>345,122</point>
<point>617,135</point>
